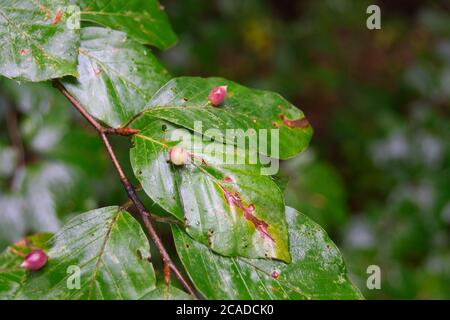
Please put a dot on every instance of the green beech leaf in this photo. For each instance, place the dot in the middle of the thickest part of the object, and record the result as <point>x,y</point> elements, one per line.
<point>281,180</point>
<point>163,292</point>
<point>117,76</point>
<point>145,21</point>
<point>317,270</point>
<point>232,208</point>
<point>37,42</point>
<point>12,275</point>
<point>185,100</point>
<point>111,251</point>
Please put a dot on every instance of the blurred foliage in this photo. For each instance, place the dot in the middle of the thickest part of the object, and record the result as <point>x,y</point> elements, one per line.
<point>50,167</point>
<point>377,175</point>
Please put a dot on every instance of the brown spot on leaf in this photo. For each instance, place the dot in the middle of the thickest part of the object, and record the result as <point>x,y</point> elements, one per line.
<point>58,16</point>
<point>234,199</point>
<point>22,243</point>
<point>199,159</point>
<point>228,179</point>
<point>46,11</point>
<point>166,272</point>
<point>275,124</point>
<point>298,123</point>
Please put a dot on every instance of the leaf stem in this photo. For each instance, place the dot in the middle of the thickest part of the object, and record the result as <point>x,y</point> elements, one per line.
<point>131,192</point>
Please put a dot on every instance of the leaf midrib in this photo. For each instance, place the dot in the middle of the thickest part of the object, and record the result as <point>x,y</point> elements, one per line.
<point>102,251</point>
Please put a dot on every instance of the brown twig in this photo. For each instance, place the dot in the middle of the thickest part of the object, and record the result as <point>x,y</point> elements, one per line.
<point>132,194</point>
<point>121,131</point>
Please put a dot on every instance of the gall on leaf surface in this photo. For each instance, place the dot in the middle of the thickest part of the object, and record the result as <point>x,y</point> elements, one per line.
<point>12,275</point>
<point>184,100</point>
<point>111,251</point>
<point>231,208</point>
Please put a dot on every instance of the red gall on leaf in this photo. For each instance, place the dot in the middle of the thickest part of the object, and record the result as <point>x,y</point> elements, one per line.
<point>35,260</point>
<point>217,95</point>
<point>178,156</point>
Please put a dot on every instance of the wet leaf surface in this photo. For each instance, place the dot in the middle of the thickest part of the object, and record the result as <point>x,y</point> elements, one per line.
<point>117,76</point>
<point>145,21</point>
<point>231,207</point>
<point>112,254</point>
<point>184,100</point>
<point>317,270</point>
<point>37,42</point>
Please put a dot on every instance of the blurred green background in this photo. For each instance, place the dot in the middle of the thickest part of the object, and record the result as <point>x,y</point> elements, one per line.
<point>377,174</point>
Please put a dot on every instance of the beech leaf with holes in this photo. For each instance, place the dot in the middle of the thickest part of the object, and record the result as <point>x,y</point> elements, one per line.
<point>112,254</point>
<point>228,205</point>
<point>317,270</point>
<point>184,101</point>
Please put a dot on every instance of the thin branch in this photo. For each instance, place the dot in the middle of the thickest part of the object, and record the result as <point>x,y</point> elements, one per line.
<point>58,85</point>
<point>132,194</point>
